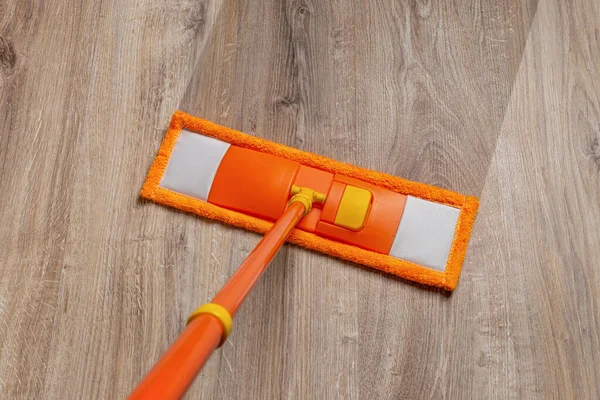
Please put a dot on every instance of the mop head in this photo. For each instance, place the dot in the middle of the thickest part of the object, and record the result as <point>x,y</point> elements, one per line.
<point>408,229</point>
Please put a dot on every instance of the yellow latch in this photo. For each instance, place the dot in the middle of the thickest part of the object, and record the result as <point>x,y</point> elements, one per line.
<point>353,209</point>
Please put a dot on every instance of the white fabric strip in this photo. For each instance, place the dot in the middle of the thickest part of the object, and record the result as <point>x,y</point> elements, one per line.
<point>425,233</point>
<point>193,164</point>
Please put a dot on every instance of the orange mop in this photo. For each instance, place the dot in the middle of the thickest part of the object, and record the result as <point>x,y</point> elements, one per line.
<point>408,229</point>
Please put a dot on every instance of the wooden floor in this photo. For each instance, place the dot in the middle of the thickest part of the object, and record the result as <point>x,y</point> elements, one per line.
<point>495,99</point>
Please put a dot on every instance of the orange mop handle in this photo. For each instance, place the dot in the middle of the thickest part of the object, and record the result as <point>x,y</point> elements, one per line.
<point>209,326</point>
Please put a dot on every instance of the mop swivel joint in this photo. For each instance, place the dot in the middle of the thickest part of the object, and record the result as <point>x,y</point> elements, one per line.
<point>306,196</point>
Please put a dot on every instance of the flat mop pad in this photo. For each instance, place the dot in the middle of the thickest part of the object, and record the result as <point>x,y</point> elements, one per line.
<point>408,229</point>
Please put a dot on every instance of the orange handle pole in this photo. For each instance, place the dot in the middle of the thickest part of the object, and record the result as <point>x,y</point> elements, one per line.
<point>175,371</point>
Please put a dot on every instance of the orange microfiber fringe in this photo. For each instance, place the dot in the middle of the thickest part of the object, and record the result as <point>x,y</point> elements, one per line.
<point>468,205</point>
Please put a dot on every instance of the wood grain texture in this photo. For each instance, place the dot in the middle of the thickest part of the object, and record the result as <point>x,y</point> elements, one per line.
<point>495,99</point>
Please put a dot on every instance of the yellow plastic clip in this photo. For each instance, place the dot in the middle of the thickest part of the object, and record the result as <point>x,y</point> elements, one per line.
<point>354,207</point>
<point>306,196</point>
<point>217,311</point>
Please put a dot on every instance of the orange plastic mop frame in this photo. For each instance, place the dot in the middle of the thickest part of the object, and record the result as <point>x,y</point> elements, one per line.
<point>468,205</point>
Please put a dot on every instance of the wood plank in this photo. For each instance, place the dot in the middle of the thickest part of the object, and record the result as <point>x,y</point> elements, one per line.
<point>537,275</point>
<point>87,90</point>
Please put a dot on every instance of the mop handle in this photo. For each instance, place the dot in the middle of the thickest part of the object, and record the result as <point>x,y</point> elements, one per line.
<point>208,327</point>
